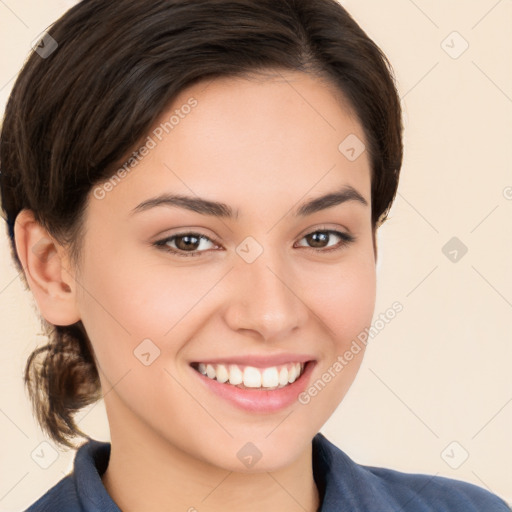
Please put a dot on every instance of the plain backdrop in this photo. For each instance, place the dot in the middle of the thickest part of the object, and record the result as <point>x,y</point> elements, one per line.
<point>434,393</point>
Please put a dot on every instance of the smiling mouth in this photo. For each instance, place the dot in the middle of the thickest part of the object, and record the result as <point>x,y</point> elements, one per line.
<point>250,377</point>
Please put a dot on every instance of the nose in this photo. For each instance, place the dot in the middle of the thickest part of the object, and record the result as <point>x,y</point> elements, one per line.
<point>266,298</point>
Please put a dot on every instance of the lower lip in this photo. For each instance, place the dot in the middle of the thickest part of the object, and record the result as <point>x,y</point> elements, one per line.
<point>260,400</point>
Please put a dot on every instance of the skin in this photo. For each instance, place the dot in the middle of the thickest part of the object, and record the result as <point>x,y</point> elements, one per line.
<point>263,146</point>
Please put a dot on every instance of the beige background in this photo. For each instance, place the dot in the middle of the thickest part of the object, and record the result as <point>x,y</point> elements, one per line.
<point>440,371</point>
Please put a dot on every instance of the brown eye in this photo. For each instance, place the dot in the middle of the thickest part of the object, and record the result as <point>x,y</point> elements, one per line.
<point>184,244</point>
<point>187,242</point>
<point>319,240</point>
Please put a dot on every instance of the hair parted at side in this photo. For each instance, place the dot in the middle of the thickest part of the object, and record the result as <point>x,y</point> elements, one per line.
<point>71,118</point>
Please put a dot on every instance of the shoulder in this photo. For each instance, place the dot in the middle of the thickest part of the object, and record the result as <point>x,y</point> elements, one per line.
<point>62,496</point>
<point>415,492</point>
<point>82,490</point>
<point>343,481</point>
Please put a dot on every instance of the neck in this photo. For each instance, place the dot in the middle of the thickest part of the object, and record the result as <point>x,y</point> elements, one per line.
<point>147,472</point>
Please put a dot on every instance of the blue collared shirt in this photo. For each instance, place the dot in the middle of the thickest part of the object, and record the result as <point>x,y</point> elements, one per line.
<point>343,485</point>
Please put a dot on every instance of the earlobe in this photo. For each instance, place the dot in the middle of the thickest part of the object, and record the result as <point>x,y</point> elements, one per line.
<point>47,270</point>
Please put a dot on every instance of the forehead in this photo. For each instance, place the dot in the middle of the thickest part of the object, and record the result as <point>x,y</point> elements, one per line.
<point>270,111</point>
<point>262,138</point>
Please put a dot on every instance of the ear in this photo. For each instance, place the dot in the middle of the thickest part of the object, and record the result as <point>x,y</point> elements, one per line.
<point>47,270</point>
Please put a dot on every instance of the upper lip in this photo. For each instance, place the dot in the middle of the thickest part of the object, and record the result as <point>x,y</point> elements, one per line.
<point>259,361</point>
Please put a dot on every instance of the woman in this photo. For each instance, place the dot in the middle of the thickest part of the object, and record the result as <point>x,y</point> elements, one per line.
<point>192,190</point>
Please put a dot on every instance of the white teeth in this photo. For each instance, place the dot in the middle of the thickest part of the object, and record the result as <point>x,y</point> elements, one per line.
<point>251,377</point>
<point>283,376</point>
<point>270,378</point>
<point>222,373</point>
<point>235,375</point>
<point>210,371</point>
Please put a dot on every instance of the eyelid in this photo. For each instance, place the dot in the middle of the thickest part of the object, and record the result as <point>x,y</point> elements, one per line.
<point>325,227</point>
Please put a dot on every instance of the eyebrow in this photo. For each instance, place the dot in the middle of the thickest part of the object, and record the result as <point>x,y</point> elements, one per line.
<point>222,210</point>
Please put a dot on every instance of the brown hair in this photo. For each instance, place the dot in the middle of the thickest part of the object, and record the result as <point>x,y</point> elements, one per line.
<point>73,115</point>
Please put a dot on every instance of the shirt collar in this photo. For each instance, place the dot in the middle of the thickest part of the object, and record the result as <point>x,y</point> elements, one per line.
<point>91,462</point>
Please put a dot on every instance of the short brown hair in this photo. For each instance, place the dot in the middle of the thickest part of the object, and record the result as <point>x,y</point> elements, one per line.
<point>72,116</point>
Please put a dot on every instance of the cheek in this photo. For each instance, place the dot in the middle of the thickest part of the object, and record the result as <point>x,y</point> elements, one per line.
<point>355,305</point>
<point>344,300</point>
<point>126,301</point>
<point>117,308</point>
<point>343,297</point>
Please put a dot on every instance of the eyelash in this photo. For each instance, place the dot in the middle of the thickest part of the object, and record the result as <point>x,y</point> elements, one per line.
<point>346,239</point>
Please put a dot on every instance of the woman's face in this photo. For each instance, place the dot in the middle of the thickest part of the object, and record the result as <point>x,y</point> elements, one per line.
<point>265,287</point>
